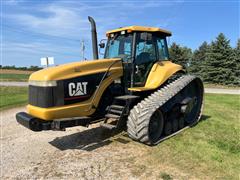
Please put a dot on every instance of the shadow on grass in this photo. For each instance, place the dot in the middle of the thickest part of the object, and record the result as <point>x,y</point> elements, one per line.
<point>204,117</point>
<point>88,140</point>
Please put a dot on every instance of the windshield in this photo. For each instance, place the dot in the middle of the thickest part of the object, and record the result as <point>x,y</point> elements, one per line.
<point>119,46</point>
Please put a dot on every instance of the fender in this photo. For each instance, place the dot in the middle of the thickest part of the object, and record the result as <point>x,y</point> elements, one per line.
<point>160,72</point>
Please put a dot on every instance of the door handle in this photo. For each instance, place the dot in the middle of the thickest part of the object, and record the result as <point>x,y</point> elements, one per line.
<point>137,69</point>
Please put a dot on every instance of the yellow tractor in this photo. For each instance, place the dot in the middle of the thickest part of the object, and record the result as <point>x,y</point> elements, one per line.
<point>135,86</point>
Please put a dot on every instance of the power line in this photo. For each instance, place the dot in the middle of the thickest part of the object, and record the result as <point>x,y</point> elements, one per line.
<point>38,33</point>
<point>37,50</point>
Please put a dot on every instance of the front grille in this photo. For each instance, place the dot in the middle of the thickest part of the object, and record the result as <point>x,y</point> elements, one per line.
<point>59,95</point>
<point>46,96</point>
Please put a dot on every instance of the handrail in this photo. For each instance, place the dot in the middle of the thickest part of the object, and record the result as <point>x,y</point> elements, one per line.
<point>98,87</point>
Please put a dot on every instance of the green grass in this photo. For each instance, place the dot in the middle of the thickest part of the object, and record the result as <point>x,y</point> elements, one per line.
<point>12,96</point>
<point>14,77</point>
<point>211,149</point>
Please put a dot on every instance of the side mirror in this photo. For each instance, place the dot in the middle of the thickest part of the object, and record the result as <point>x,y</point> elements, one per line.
<point>102,45</point>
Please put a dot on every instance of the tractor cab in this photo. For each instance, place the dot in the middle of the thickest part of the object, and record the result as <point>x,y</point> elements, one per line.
<point>140,48</point>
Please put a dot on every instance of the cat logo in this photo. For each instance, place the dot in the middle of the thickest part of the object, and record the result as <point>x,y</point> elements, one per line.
<point>77,89</point>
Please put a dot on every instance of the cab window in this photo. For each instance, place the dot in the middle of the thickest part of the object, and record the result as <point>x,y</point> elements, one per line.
<point>119,46</point>
<point>162,48</point>
<point>145,49</point>
<point>145,57</point>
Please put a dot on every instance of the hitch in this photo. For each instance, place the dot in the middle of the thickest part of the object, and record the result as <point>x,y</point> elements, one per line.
<point>36,124</point>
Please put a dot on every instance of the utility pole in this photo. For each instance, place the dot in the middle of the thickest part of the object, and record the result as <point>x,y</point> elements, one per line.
<point>82,49</point>
<point>47,63</point>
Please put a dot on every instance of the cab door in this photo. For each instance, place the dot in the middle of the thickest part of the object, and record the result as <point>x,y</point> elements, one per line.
<point>145,57</point>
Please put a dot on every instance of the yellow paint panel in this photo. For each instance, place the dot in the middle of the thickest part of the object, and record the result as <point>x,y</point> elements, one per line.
<point>140,28</point>
<point>68,71</point>
<point>159,73</point>
<point>74,69</point>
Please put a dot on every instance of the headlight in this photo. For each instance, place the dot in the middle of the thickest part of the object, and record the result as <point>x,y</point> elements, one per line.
<point>43,83</point>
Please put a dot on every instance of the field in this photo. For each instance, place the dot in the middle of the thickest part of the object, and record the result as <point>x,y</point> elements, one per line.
<point>210,150</point>
<point>14,75</point>
<point>12,96</point>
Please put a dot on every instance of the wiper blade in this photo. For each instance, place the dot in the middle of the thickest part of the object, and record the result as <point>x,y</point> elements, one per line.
<point>114,38</point>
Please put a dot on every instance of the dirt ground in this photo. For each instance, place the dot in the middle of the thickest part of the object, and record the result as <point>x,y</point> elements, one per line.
<point>14,71</point>
<point>77,153</point>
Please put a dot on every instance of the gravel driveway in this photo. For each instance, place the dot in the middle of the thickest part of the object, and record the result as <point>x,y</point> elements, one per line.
<point>77,153</point>
<point>74,153</point>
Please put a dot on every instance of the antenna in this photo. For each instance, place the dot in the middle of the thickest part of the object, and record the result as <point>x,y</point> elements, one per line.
<point>83,49</point>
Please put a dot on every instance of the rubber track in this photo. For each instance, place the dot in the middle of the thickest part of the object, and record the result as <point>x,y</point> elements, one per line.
<point>140,114</point>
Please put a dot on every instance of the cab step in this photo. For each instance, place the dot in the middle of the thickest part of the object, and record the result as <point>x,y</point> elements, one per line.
<point>116,113</point>
<point>108,126</point>
<point>127,97</point>
<point>113,111</point>
<point>117,107</point>
<point>113,116</point>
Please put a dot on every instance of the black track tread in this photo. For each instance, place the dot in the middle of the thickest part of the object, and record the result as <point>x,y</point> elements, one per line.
<point>140,115</point>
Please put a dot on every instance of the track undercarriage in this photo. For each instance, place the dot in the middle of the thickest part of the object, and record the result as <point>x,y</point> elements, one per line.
<point>167,111</point>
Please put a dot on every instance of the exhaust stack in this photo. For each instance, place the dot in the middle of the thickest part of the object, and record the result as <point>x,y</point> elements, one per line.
<point>94,37</point>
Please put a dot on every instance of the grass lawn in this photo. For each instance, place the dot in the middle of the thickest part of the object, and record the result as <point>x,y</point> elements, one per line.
<point>14,77</point>
<point>210,150</point>
<point>12,96</point>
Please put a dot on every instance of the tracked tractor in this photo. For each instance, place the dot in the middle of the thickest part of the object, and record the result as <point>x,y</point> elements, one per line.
<point>135,86</point>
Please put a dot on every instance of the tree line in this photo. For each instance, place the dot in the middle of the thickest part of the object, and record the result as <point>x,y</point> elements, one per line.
<point>216,62</point>
<point>31,68</point>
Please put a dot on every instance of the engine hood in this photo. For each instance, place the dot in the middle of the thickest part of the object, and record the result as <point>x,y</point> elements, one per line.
<point>75,69</point>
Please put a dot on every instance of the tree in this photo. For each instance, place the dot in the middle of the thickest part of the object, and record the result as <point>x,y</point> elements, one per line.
<point>31,68</point>
<point>34,68</point>
<point>180,55</point>
<point>219,62</point>
<point>198,62</point>
<point>236,60</point>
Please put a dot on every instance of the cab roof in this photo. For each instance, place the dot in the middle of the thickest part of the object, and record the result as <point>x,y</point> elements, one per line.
<point>140,28</point>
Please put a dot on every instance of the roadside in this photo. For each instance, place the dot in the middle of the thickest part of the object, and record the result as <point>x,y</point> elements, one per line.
<point>7,83</point>
<point>7,75</point>
<point>209,150</point>
<point>15,71</point>
<point>218,86</point>
<point>222,91</point>
<point>12,96</point>
<point>19,78</point>
<point>14,77</point>
<point>207,90</point>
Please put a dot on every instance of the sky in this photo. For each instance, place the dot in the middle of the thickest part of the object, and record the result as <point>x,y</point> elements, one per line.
<point>31,29</point>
